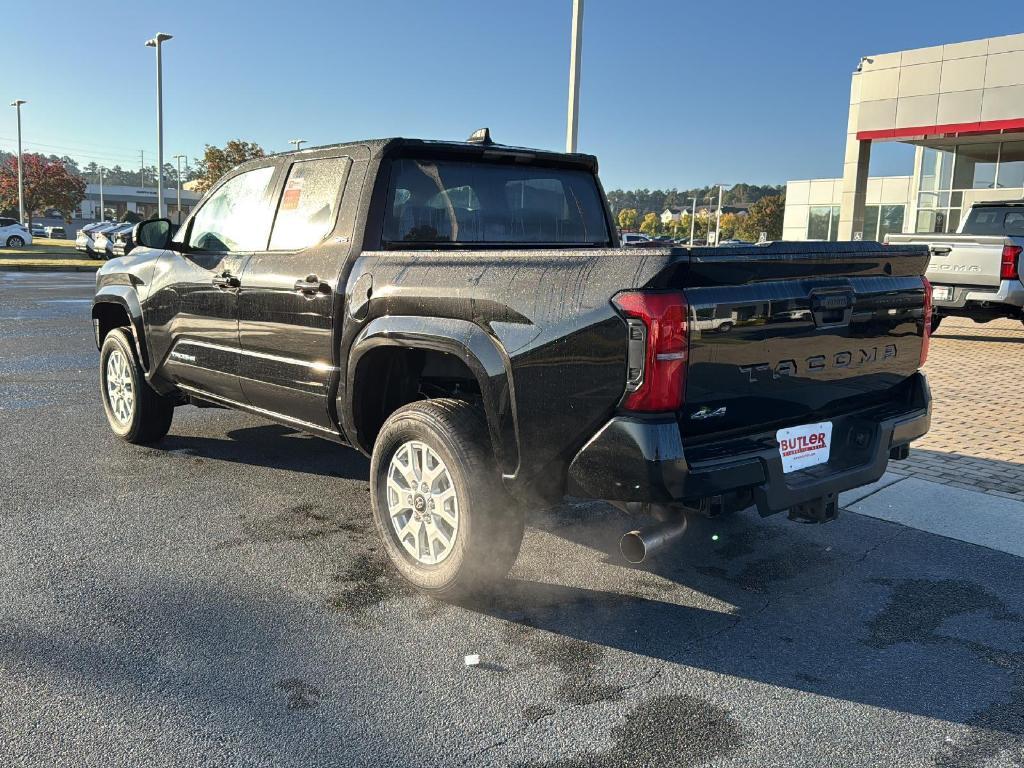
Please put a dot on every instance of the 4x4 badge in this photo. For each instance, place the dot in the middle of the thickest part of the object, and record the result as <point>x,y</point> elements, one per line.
<point>707,413</point>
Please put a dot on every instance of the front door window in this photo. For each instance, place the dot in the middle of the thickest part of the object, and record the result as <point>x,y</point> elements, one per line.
<point>237,216</point>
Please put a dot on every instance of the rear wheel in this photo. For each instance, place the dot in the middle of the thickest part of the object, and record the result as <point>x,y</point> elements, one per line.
<point>15,241</point>
<point>936,321</point>
<point>135,411</point>
<point>446,522</point>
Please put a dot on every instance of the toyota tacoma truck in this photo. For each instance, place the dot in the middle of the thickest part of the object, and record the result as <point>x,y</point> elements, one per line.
<point>462,313</point>
<point>976,273</point>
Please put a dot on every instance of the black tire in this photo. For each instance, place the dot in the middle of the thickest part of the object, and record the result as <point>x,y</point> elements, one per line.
<point>936,321</point>
<point>149,417</point>
<point>15,241</point>
<point>490,523</point>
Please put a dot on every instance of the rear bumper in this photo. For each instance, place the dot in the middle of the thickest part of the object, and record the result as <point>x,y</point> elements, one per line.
<point>1009,294</point>
<point>636,459</point>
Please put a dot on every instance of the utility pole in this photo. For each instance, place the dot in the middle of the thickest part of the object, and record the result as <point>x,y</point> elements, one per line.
<point>718,217</point>
<point>693,220</point>
<point>157,42</point>
<point>572,129</point>
<point>21,180</point>
<point>178,158</point>
<point>142,169</point>
<point>298,143</point>
<point>103,209</point>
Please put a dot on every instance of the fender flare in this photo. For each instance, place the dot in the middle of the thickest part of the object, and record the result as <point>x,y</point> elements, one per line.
<point>460,338</point>
<point>124,297</point>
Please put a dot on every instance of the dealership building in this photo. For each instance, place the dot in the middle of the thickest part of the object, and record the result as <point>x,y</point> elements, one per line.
<point>962,107</point>
<point>119,199</point>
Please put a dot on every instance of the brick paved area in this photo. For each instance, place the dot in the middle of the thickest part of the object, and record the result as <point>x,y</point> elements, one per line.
<point>977,378</point>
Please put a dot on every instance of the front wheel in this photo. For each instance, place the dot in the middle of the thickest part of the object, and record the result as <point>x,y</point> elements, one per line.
<point>446,521</point>
<point>14,241</point>
<point>135,411</point>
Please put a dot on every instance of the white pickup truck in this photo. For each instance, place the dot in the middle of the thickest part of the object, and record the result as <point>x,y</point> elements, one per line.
<point>976,273</point>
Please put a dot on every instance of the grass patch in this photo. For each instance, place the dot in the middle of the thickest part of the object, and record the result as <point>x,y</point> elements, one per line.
<point>42,246</point>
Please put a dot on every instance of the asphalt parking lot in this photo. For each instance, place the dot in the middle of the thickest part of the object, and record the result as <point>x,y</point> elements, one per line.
<point>219,599</point>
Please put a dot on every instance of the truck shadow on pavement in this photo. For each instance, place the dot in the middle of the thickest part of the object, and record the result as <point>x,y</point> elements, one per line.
<point>276,447</point>
<point>967,337</point>
<point>859,610</point>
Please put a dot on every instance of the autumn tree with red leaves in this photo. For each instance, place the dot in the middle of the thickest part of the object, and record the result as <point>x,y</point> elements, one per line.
<point>47,183</point>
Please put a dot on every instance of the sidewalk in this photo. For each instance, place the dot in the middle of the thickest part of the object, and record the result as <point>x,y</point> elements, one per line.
<point>972,516</point>
<point>975,439</point>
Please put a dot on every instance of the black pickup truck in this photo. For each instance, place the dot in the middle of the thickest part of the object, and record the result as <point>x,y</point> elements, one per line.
<point>462,313</point>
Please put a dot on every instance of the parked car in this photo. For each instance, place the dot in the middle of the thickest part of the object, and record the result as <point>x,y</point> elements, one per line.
<point>634,238</point>
<point>13,234</point>
<point>123,241</point>
<point>976,273</point>
<point>460,313</point>
<point>85,240</point>
<point>103,242</point>
<point>37,230</point>
<point>56,232</point>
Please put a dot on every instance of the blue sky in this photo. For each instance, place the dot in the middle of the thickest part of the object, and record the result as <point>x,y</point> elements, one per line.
<point>673,93</point>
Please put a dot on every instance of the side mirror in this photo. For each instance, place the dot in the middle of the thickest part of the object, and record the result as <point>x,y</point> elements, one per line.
<point>153,233</point>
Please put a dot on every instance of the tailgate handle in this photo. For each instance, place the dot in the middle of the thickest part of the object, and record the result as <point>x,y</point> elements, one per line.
<point>940,250</point>
<point>831,310</point>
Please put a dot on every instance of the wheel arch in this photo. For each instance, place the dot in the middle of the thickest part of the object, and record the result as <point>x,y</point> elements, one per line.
<point>115,308</point>
<point>394,357</point>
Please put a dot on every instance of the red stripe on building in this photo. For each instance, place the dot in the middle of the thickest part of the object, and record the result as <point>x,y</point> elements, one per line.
<point>935,131</point>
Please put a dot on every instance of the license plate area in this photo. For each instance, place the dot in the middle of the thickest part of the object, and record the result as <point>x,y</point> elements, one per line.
<point>942,292</point>
<point>805,446</point>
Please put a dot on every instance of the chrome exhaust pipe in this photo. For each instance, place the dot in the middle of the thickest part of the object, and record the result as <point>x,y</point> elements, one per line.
<point>637,546</point>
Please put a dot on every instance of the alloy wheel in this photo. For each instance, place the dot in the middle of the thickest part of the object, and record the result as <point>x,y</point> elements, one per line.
<point>120,390</point>
<point>422,503</point>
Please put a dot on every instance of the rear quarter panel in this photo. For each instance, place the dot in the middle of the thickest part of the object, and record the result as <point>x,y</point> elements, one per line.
<point>549,315</point>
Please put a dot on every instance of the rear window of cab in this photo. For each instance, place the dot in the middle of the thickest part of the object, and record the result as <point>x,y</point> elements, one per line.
<point>437,202</point>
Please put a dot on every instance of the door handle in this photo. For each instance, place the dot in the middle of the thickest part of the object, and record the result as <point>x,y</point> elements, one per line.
<point>226,280</point>
<point>312,286</point>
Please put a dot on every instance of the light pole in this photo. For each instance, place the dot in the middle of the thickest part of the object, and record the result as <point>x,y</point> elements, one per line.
<point>21,182</point>
<point>157,42</point>
<point>297,142</point>
<point>718,216</point>
<point>572,128</point>
<point>693,220</point>
<point>178,158</point>
<point>103,209</point>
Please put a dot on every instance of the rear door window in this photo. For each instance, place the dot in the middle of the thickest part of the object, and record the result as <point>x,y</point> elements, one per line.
<point>309,203</point>
<point>437,202</point>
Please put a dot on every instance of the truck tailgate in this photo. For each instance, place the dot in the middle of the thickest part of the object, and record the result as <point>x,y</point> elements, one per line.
<point>792,332</point>
<point>960,259</point>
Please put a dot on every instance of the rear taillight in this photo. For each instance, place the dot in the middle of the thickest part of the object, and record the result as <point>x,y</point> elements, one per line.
<point>927,337</point>
<point>659,346</point>
<point>1009,266</point>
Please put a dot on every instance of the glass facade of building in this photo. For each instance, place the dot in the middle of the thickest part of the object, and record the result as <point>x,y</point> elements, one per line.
<point>948,174</point>
<point>879,220</point>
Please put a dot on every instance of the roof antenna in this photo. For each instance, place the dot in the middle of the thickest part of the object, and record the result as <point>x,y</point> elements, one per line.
<point>480,136</point>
